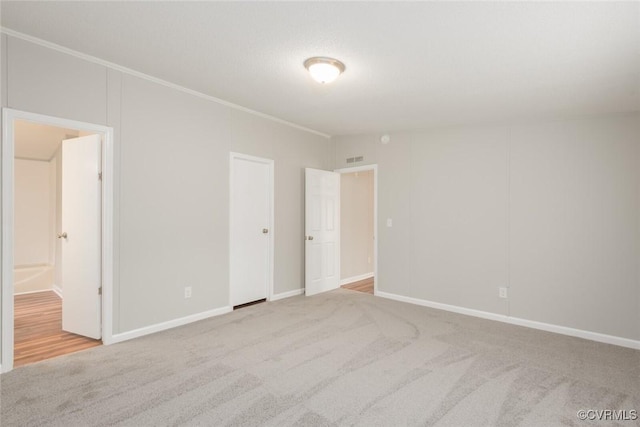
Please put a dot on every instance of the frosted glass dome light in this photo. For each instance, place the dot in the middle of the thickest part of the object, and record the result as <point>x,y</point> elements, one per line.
<point>324,70</point>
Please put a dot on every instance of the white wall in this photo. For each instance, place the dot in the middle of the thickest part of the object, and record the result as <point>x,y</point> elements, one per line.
<point>171,179</point>
<point>3,103</point>
<point>33,213</point>
<point>550,210</point>
<point>356,224</point>
<point>68,86</point>
<point>575,211</point>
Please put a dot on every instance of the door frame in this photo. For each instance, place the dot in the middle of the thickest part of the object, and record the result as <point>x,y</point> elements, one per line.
<point>8,149</point>
<point>270,163</point>
<point>373,168</point>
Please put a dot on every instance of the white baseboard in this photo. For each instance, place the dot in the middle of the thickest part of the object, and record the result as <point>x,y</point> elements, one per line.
<point>288,294</point>
<point>124,336</point>
<point>588,335</point>
<point>57,290</point>
<point>33,292</point>
<point>356,278</point>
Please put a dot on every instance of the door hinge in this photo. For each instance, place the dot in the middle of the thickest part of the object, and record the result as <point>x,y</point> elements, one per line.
<point>99,176</point>
<point>100,290</point>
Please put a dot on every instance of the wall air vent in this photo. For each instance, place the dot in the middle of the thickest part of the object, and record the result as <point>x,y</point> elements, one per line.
<point>355,159</point>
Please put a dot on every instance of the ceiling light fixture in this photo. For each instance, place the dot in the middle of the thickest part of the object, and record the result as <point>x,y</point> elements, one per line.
<point>324,70</point>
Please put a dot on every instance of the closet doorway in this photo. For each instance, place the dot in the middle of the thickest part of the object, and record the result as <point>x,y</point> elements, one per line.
<point>251,237</point>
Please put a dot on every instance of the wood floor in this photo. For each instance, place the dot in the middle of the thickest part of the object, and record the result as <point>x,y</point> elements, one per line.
<point>38,333</point>
<point>365,285</point>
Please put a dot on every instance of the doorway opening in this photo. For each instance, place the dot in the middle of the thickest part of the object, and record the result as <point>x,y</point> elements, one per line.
<point>56,239</point>
<point>358,219</point>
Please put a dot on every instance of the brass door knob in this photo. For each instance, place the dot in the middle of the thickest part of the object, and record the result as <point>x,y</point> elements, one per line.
<point>265,230</point>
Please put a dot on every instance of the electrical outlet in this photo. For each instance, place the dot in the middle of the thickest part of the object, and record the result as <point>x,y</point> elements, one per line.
<point>368,260</point>
<point>502,293</point>
<point>389,222</point>
<point>187,292</point>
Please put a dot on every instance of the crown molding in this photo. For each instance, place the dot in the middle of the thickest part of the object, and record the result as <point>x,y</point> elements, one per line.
<point>153,79</point>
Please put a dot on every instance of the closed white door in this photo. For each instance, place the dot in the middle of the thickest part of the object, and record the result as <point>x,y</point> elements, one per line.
<point>81,236</point>
<point>251,228</point>
<point>322,231</point>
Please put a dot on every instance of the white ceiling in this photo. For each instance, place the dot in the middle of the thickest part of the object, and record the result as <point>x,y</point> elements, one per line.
<point>409,65</point>
<point>36,141</point>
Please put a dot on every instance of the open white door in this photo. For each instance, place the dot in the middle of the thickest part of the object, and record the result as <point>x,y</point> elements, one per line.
<point>81,236</point>
<point>322,231</point>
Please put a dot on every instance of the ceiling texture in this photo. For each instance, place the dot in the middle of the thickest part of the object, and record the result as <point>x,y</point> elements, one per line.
<point>410,65</point>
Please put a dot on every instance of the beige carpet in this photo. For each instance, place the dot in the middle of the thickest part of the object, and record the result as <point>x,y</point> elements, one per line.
<point>341,358</point>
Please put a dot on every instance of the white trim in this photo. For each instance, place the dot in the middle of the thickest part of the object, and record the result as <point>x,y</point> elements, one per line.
<point>6,355</point>
<point>8,117</point>
<point>57,290</point>
<point>288,294</point>
<point>563,330</point>
<point>363,168</point>
<point>374,168</point>
<point>113,66</point>
<point>107,234</point>
<point>271,165</point>
<point>34,292</point>
<point>125,336</point>
<point>356,278</point>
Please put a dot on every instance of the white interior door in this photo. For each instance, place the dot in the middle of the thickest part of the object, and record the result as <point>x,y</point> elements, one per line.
<point>251,228</point>
<point>322,231</point>
<point>81,236</point>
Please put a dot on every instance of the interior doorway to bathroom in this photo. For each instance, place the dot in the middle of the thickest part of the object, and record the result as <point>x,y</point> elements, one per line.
<point>52,298</point>
<point>49,194</point>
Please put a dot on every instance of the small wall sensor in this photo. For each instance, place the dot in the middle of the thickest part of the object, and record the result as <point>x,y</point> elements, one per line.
<point>385,138</point>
